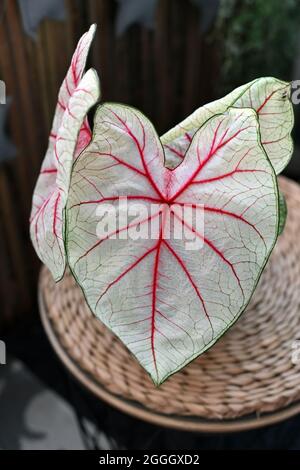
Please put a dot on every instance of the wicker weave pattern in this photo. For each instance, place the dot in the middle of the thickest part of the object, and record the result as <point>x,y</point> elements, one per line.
<point>248,371</point>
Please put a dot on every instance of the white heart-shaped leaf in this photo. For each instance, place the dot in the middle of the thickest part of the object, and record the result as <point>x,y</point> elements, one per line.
<point>51,191</point>
<point>269,97</point>
<point>70,134</point>
<point>166,301</point>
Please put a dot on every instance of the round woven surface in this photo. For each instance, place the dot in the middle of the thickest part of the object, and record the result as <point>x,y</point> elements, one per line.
<point>247,373</point>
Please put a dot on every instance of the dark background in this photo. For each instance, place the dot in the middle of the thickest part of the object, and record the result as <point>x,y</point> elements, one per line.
<point>165,57</point>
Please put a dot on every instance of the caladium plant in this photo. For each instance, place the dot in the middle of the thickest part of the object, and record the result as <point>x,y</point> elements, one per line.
<point>166,300</point>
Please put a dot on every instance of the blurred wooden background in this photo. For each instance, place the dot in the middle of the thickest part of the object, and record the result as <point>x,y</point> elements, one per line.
<point>166,72</point>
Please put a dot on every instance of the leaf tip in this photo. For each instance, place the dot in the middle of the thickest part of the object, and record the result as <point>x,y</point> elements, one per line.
<point>93,28</point>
